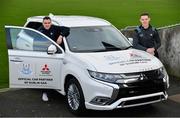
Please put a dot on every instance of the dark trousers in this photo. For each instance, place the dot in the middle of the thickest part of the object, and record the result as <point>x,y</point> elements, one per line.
<point>156,54</point>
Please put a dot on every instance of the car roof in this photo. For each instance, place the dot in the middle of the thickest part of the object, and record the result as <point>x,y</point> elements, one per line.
<point>72,20</point>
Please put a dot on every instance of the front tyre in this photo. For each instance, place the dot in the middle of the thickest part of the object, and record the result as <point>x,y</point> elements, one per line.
<point>74,97</point>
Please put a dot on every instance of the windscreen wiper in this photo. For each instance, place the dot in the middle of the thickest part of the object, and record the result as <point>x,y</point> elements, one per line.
<point>127,47</point>
<point>110,46</point>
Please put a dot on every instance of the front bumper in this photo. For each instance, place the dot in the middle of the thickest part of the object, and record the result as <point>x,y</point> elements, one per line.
<point>131,101</point>
<point>147,91</point>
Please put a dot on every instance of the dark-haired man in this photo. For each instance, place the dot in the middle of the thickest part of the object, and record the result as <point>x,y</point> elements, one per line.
<point>146,37</point>
<point>56,33</point>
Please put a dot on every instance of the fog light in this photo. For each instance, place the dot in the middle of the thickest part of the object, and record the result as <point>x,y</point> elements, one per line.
<point>101,100</point>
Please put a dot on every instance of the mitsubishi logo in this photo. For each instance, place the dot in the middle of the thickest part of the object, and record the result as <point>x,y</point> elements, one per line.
<point>45,68</point>
<point>142,77</point>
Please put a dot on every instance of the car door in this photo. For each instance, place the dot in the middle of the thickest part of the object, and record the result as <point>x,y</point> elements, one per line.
<point>30,66</point>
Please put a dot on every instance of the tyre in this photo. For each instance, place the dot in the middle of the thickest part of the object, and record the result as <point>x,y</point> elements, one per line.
<point>74,97</point>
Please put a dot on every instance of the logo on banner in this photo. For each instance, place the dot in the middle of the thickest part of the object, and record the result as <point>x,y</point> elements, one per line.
<point>26,69</point>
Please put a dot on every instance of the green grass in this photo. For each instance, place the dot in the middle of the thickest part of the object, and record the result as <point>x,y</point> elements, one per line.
<point>121,13</point>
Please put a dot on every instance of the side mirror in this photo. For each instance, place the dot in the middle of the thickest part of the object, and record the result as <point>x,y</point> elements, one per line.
<point>130,40</point>
<point>52,49</point>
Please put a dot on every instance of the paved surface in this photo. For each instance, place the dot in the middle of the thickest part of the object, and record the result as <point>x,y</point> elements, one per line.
<point>27,102</point>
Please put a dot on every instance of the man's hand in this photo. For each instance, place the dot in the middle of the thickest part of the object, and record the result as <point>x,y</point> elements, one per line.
<point>59,40</point>
<point>150,50</point>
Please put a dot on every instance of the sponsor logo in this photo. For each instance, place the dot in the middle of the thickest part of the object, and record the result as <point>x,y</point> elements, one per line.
<point>134,55</point>
<point>26,69</point>
<point>45,70</point>
<point>111,58</point>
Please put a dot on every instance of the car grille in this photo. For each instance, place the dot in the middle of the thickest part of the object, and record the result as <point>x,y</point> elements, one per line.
<point>152,83</point>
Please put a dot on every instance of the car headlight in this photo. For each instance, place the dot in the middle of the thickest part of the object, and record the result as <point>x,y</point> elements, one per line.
<point>107,77</point>
<point>162,72</point>
<point>114,78</point>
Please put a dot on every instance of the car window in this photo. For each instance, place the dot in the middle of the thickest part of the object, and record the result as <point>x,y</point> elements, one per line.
<point>34,25</point>
<point>26,39</point>
<point>99,38</point>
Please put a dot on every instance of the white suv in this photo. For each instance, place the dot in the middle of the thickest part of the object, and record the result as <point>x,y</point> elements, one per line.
<point>97,68</point>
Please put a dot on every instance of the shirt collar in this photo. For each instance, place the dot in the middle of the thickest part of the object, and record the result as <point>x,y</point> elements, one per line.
<point>144,28</point>
<point>48,29</point>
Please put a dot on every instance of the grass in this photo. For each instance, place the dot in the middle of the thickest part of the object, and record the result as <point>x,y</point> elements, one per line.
<point>121,13</point>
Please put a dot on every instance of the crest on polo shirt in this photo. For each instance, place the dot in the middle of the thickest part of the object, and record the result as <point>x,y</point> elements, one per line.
<point>141,35</point>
